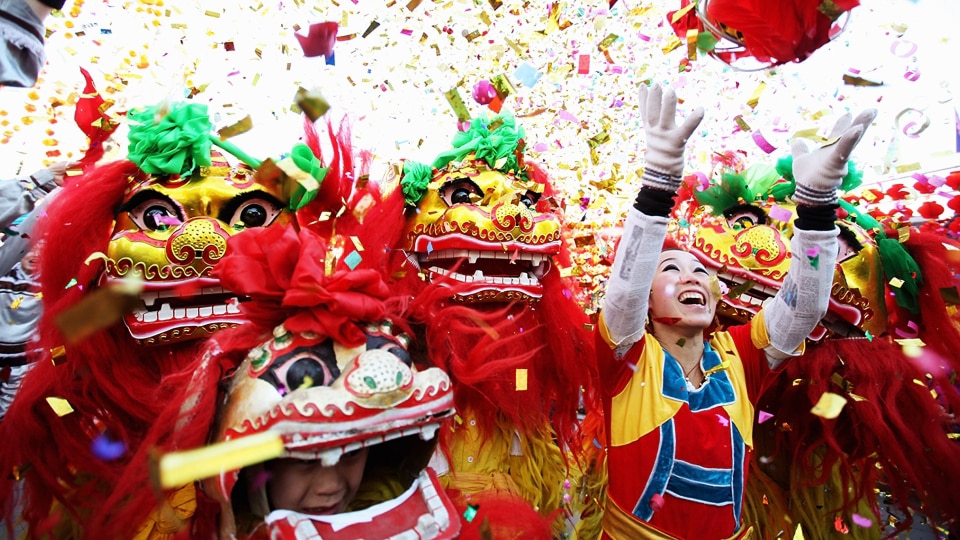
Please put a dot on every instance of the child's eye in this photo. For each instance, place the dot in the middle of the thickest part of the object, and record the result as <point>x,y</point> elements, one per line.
<point>352,454</point>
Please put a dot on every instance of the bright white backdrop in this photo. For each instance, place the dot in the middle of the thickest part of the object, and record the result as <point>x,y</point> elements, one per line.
<point>241,57</point>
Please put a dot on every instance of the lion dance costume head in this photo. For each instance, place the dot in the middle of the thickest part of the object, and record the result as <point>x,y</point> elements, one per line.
<point>484,223</point>
<point>158,223</point>
<point>325,363</point>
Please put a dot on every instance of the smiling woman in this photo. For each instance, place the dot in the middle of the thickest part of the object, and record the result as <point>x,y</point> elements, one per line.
<point>683,301</point>
<point>679,407</point>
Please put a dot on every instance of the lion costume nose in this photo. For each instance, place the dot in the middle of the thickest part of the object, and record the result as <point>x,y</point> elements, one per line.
<point>197,241</point>
<point>515,219</point>
<point>759,247</point>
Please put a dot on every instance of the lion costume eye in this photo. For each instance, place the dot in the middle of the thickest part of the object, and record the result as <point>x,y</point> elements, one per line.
<point>254,213</point>
<point>850,245</point>
<point>460,191</point>
<point>307,371</point>
<point>742,221</point>
<point>311,366</point>
<point>530,198</point>
<point>251,209</point>
<point>745,216</point>
<point>156,213</point>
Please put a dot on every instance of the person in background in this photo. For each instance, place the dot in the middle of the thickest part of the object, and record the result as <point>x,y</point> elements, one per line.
<point>21,26</point>
<point>309,487</point>
<point>20,307</point>
<point>18,197</point>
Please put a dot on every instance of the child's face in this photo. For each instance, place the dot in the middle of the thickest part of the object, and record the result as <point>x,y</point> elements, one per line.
<point>31,260</point>
<point>308,487</point>
<point>682,290</point>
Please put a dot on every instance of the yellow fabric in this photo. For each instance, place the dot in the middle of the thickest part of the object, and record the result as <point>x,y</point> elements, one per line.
<point>620,525</point>
<point>604,332</point>
<point>172,517</point>
<point>766,506</point>
<point>378,485</point>
<point>67,528</point>
<point>593,496</point>
<point>471,451</point>
<point>475,483</point>
<point>641,408</point>
<point>758,332</point>
<point>484,461</point>
<point>814,507</point>
<point>770,508</point>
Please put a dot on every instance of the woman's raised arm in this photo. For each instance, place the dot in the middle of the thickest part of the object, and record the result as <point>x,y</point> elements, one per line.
<point>805,295</point>
<point>628,289</point>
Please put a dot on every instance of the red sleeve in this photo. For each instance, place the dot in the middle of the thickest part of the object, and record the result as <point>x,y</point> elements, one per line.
<point>755,366</point>
<point>615,372</point>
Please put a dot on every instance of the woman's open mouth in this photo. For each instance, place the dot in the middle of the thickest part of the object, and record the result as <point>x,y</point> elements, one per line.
<point>692,298</point>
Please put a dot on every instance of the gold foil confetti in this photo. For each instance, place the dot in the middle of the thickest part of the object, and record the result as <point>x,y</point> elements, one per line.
<point>606,42</point>
<point>829,405</point>
<point>58,355</point>
<point>521,379</point>
<point>60,406</point>
<point>457,104</point>
<point>243,126</point>
<point>97,310</point>
<point>312,103</point>
<point>178,468</point>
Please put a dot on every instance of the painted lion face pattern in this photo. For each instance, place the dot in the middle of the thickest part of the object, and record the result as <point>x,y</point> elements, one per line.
<point>486,229</point>
<point>750,247</point>
<point>170,232</point>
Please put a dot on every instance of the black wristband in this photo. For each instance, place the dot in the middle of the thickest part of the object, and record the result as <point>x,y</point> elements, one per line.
<point>654,202</point>
<point>55,4</point>
<point>816,218</point>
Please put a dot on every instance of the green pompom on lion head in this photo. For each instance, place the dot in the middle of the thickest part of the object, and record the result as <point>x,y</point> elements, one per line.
<point>498,141</point>
<point>170,139</point>
<point>851,180</point>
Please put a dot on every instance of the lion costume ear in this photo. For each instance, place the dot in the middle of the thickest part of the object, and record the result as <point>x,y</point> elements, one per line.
<point>414,180</point>
<point>780,191</point>
<point>900,267</point>
<point>898,264</point>
<point>306,173</point>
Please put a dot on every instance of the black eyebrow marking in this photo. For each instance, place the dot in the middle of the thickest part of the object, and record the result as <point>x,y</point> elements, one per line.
<point>458,180</point>
<point>148,195</point>
<point>846,233</point>
<point>752,209</point>
<point>233,204</point>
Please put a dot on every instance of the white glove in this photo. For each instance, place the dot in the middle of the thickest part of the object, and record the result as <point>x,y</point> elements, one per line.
<point>819,173</point>
<point>665,141</point>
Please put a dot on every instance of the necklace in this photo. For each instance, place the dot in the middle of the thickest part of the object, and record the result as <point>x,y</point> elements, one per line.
<point>686,374</point>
